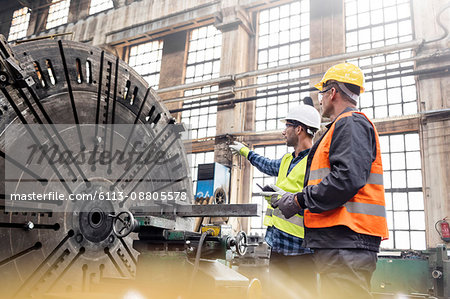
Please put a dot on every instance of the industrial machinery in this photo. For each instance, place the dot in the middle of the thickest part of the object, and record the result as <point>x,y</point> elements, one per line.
<point>66,223</point>
<point>213,181</point>
<point>412,274</point>
<point>213,184</point>
<point>189,258</point>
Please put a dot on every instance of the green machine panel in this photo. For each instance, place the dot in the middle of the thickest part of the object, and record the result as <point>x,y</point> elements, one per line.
<point>403,276</point>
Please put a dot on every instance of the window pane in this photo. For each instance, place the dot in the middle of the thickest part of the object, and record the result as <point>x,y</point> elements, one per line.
<point>412,142</point>
<point>384,144</point>
<point>387,179</point>
<point>146,60</point>
<point>400,201</point>
<point>399,179</point>
<point>396,143</point>
<point>388,200</point>
<point>203,63</point>
<point>415,200</point>
<point>100,5</point>
<point>413,160</point>
<point>58,13</point>
<point>398,161</point>
<point>417,220</point>
<point>407,207</point>
<point>414,178</point>
<point>372,24</point>
<point>386,161</point>
<point>418,240</point>
<point>402,240</point>
<point>401,220</point>
<point>19,24</point>
<point>283,34</point>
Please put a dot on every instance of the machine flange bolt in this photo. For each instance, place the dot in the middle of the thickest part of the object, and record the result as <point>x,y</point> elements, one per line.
<point>29,225</point>
<point>436,274</point>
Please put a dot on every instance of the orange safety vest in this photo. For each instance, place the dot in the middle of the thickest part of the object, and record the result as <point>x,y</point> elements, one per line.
<point>364,213</point>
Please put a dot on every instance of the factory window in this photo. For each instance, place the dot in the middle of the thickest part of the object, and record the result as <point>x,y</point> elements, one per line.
<point>198,158</point>
<point>19,24</point>
<point>100,5</point>
<point>58,13</point>
<point>200,121</point>
<point>371,24</point>
<point>283,38</point>
<point>145,59</point>
<point>271,152</point>
<point>403,187</point>
<point>203,63</point>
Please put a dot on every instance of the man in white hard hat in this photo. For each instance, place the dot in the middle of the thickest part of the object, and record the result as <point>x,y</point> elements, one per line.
<point>289,259</point>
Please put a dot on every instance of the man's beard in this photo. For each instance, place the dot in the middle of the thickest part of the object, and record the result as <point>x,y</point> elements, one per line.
<point>290,142</point>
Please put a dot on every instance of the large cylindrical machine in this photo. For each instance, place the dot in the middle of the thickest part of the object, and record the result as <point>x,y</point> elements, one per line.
<point>74,88</point>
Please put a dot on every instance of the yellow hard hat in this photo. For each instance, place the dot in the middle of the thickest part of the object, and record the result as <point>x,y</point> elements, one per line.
<point>343,72</point>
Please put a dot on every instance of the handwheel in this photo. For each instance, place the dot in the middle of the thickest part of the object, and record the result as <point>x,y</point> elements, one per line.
<point>124,224</point>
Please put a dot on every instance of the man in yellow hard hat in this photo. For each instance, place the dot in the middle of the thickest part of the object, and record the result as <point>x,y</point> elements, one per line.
<point>343,197</point>
<point>289,260</point>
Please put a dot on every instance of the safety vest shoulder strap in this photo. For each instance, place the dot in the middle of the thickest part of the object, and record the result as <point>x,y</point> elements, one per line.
<point>295,180</point>
<point>284,167</point>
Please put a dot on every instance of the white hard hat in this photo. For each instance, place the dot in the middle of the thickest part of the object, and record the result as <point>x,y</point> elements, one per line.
<point>306,114</point>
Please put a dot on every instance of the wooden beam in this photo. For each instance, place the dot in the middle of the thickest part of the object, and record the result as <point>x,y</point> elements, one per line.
<point>398,125</point>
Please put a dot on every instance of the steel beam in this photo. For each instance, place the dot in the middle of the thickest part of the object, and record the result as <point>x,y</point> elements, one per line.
<point>228,210</point>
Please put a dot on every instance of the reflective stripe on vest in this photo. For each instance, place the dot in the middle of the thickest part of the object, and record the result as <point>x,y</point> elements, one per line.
<point>297,219</point>
<point>290,183</point>
<point>365,213</point>
<point>365,208</point>
<point>319,174</point>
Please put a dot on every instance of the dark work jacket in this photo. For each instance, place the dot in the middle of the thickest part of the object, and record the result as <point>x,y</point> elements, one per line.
<point>353,146</point>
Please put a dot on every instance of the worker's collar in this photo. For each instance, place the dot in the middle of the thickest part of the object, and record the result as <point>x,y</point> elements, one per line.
<point>301,155</point>
<point>348,109</point>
